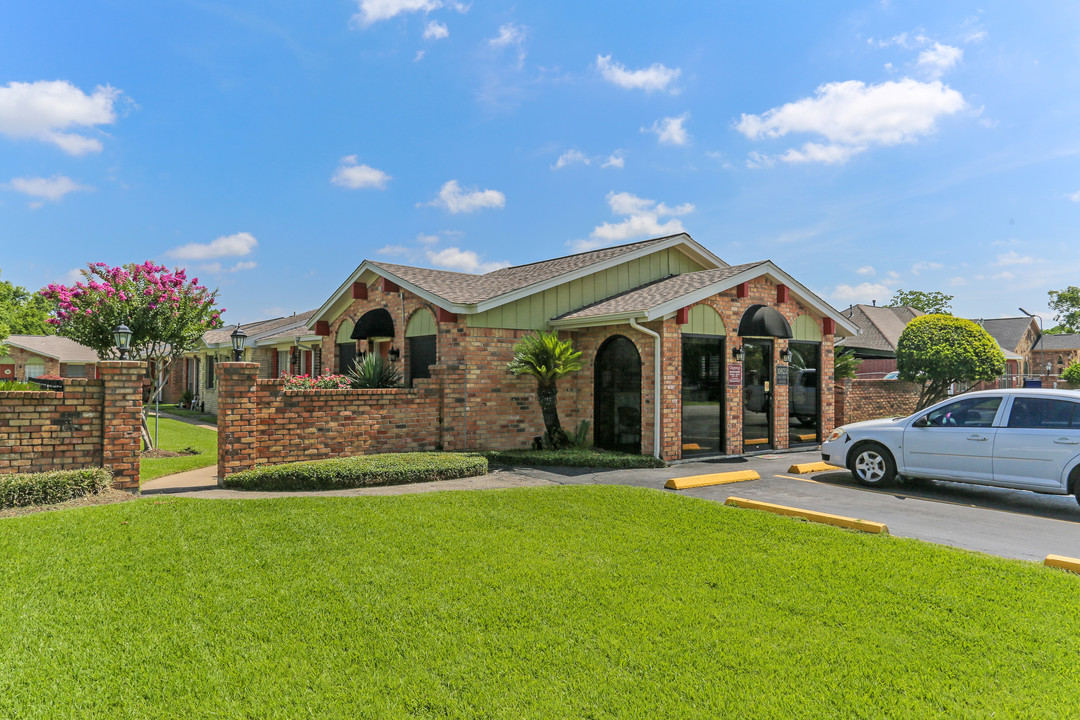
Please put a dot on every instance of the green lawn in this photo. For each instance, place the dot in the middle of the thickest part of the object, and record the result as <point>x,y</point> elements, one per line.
<point>175,435</point>
<point>182,412</point>
<point>556,602</point>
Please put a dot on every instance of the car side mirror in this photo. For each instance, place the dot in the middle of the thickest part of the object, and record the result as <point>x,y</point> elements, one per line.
<point>924,421</point>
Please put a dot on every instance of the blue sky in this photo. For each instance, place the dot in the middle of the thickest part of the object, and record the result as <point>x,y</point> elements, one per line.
<point>271,146</point>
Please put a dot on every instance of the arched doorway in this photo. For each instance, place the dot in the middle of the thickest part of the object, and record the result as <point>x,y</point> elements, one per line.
<point>759,329</point>
<point>420,336</point>
<point>617,396</point>
<point>346,346</point>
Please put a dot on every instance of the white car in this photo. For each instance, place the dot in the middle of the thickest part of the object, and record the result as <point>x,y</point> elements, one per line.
<point>1027,439</point>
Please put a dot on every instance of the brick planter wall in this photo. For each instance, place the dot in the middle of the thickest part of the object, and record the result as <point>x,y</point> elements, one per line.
<point>91,423</point>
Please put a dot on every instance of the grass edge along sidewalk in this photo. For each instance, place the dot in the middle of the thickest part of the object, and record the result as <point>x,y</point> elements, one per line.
<point>563,601</point>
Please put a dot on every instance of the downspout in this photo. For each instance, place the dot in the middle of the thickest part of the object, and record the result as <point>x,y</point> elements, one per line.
<point>656,385</point>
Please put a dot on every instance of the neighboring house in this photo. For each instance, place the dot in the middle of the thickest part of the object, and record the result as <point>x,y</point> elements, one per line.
<point>683,355</point>
<point>281,346</point>
<point>31,356</point>
<point>879,331</point>
<point>1060,351</point>
<point>1016,336</point>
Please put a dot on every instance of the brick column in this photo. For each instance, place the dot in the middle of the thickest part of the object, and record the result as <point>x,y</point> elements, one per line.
<point>237,417</point>
<point>121,420</point>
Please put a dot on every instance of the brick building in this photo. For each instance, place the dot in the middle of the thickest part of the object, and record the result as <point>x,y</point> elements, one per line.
<point>683,354</point>
<point>31,356</point>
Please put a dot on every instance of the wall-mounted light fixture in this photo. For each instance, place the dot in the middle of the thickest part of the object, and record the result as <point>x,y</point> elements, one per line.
<point>122,337</point>
<point>785,356</point>
<point>239,337</point>
<point>394,354</point>
<point>738,354</point>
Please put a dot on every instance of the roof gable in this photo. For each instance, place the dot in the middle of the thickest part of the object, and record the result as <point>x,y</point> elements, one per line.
<point>1009,333</point>
<point>60,348</point>
<point>879,327</point>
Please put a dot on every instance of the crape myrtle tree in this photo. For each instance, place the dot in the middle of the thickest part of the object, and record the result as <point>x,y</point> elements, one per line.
<point>166,312</point>
<point>547,358</point>
<point>939,350</point>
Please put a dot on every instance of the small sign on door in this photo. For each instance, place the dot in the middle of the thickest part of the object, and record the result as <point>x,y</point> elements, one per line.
<point>734,374</point>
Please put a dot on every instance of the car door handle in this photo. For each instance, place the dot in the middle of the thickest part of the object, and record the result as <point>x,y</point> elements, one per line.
<point>980,438</point>
<point>1067,441</point>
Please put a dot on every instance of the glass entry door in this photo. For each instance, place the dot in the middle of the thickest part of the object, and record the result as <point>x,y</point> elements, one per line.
<point>703,390</point>
<point>804,393</point>
<point>757,394</point>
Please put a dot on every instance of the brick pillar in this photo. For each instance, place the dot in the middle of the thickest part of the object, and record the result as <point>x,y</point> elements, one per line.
<point>237,417</point>
<point>121,420</point>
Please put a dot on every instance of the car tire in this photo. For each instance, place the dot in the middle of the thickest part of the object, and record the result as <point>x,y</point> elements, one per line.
<point>872,464</point>
<point>1074,483</point>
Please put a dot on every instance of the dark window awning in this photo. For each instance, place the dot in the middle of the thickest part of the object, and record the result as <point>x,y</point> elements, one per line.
<point>764,321</point>
<point>374,324</point>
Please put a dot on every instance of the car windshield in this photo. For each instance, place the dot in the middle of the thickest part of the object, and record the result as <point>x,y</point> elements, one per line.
<point>969,412</point>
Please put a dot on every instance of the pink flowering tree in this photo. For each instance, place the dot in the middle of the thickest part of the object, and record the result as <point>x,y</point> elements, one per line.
<point>166,312</point>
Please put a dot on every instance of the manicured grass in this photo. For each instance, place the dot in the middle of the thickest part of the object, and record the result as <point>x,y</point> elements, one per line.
<point>360,471</point>
<point>555,602</point>
<point>573,457</point>
<point>175,435</point>
<point>183,412</point>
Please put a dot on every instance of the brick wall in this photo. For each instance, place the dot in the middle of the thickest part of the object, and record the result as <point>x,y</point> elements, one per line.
<point>875,368</point>
<point>89,424</point>
<point>858,400</point>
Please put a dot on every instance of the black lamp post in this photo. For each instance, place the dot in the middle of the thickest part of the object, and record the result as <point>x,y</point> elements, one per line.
<point>239,337</point>
<point>122,338</point>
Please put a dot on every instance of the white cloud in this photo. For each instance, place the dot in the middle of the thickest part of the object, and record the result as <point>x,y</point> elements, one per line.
<point>958,281</point>
<point>238,244</point>
<point>51,188</point>
<point>571,157</point>
<point>216,268</point>
<point>642,218</point>
<point>925,265</point>
<point>454,198</point>
<point>1075,197</point>
<point>1004,275</point>
<point>393,250</point>
<point>855,115</point>
<point>862,293</point>
<point>940,58</point>
<point>616,160</point>
<point>354,176</point>
<point>1014,258</point>
<point>436,31</point>
<point>427,239</point>
<point>510,35</point>
<point>670,130</point>
<point>467,261</point>
<point>904,40</point>
<point>372,11</point>
<point>45,110</point>
<point>419,55</point>
<point>866,270</point>
<point>654,77</point>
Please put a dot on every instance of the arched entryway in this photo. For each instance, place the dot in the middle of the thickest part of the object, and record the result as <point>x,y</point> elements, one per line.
<point>759,329</point>
<point>345,346</point>
<point>420,337</point>
<point>617,396</point>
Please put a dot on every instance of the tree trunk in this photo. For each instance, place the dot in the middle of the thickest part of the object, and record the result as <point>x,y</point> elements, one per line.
<point>548,395</point>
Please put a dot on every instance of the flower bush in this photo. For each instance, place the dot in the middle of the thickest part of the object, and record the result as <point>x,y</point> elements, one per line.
<point>322,382</point>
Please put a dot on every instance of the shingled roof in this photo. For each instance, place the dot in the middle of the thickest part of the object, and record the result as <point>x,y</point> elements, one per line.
<point>879,327</point>
<point>468,289</point>
<point>63,349</point>
<point>1064,341</point>
<point>1007,332</point>
<point>262,329</point>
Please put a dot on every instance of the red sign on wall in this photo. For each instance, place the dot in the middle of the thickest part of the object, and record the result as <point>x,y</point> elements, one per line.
<point>734,374</point>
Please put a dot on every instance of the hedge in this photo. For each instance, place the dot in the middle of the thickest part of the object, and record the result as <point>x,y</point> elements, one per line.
<point>359,471</point>
<point>573,457</point>
<point>46,488</point>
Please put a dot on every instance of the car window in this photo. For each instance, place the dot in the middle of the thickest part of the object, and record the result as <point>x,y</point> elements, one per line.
<point>970,412</point>
<point>1044,413</point>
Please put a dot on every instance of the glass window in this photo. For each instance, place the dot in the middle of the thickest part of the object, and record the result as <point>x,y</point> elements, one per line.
<point>209,371</point>
<point>34,370</point>
<point>970,412</point>
<point>1044,413</point>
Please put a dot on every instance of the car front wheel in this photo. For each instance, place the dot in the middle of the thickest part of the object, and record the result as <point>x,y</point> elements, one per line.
<point>872,464</point>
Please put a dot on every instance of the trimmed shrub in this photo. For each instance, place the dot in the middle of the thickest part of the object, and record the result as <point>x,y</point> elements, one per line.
<point>47,488</point>
<point>573,457</point>
<point>359,471</point>
<point>1072,374</point>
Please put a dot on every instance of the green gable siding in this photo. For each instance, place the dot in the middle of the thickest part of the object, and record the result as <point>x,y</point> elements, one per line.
<point>534,311</point>
<point>806,329</point>
<point>421,323</point>
<point>704,320</point>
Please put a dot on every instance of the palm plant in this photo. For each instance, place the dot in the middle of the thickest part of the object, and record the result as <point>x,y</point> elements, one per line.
<point>372,370</point>
<point>547,358</point>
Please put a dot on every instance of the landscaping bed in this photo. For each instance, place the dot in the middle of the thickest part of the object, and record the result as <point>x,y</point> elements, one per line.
<point>46,488</point>
<point>359,471</point>
<point>554,602</point>
<point>573,457</point>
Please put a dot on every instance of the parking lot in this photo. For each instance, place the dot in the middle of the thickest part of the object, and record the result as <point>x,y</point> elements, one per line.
<point>1008,523</point>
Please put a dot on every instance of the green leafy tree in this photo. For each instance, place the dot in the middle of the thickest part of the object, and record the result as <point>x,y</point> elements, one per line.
<point>938,350</point>
<point>547,358</point>
<point>1071,374</point>
<point>845,365</point>
<point>1066,306</point>
<point>166,312</point>
<point>930,302</point>
<point>22,312</point>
